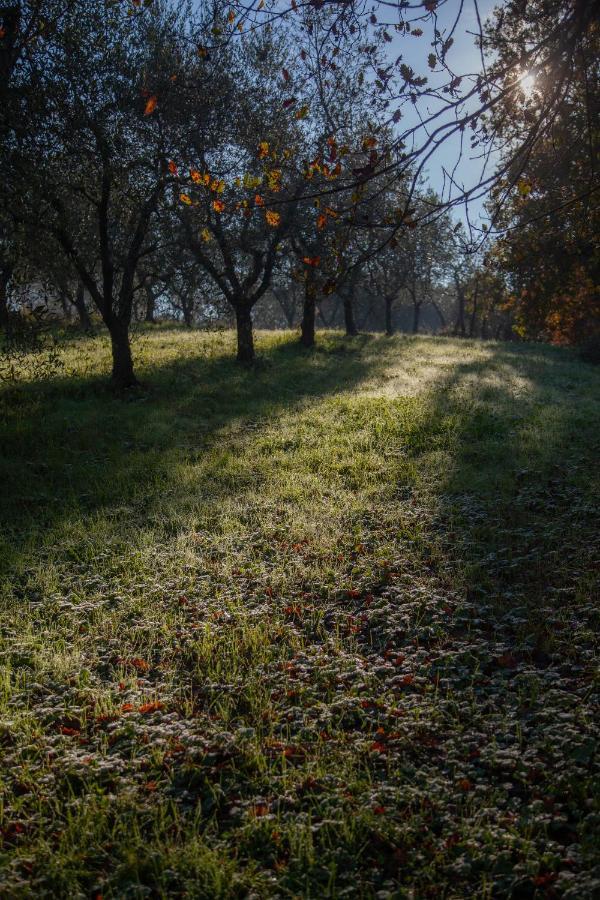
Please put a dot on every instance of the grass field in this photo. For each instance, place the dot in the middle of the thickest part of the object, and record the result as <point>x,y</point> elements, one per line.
<point>325,628</point>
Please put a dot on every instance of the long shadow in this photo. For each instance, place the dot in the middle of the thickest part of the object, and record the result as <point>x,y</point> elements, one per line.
<point>519,504</point>
<point>70,447</point>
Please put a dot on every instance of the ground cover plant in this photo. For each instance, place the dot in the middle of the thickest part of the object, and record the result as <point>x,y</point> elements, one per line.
<point>323,628</point>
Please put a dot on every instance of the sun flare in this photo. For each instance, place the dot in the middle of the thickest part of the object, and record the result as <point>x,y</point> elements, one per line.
<point>527,83</point>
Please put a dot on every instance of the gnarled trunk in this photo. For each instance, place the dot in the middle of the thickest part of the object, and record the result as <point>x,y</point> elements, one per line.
<point>416,317</point>
<point>150,306</point>
<point>5,275</point>
<point>79,304</point>
<point>351,329</point>
<point>307,337</point>
<point>389,326</point>
<point>245,336</point>
<point>122,369</point>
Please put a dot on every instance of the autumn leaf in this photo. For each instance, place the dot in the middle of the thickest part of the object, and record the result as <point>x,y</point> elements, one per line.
<point>150,105</point>
<point>263,149</point>
<point>231,17</point>
<point>321,221</point>
<point>368,143</point>
<point>302,112</point>
<point>196,176</point>
<point>185,198</point>
<point>150,707</point>
<point>331,212</point>
<point>417,32</point>
<point>273,218</point>
<point>172,168</point>
<point>313,261</point>
<point>258,200</point>
<point>205,235</point>
<point>218,206</point>
<point>274,180</point>
<point>524,186</point>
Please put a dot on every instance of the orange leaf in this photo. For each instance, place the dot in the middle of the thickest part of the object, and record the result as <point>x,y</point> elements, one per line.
<point>218,206</point>
<point>258,200</point>
<point>185,199</point>
<point>321,221</point>
<point>273,218</point>
<point>150,707</point>
<point>263,149</point>
<point>195,176</point>
<point>172,168</point>
<point>150,105</point>
<point>313,261</point>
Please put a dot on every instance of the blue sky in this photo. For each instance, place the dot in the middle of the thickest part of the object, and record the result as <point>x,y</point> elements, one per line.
<point>463,58</point>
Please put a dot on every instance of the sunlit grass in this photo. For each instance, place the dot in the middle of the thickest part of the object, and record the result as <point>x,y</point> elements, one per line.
<point>216,589</point>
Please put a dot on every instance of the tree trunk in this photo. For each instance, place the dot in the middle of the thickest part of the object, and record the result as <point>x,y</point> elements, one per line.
<point>150,304</point>
<point>459,326</point>
<point>389,325</point>
<point>307,337</point>
<point>122,369</point>
<point>5,275</point>
<point>79,303</point>
<point>245,337</point>
<point>351,329</point>
<point>416,317</point>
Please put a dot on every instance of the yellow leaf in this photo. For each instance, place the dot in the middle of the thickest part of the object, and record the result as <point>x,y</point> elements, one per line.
<point>195,176</point>
<point>524,187</point>
<point>274,180</point>
<point>273,218</point>
<point>205,234</point>
<point>263,149</point>
<point>185,199</point>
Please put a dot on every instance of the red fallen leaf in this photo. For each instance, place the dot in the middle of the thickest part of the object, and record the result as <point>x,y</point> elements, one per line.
<point>379,810</point>
<point>507,661</point>
<point>378,747</point>
<point>545,880</point>
<point>353,594</point>
<point>294,611</point>
<point>150,105</point>
<point>408,679</point>
<point>183,601</point>
<point>150,786</point>
<point>127,707</point>
<point>139,664</point>
<point>313,261</point>
<point>259,810</point>
<point>150,707</point>
<point>269,591</point>
<point>465,785</point>
<point>70,732</point>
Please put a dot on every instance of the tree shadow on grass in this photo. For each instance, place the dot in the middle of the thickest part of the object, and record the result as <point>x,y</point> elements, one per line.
<point>70,448</point>
<point>518,505</point>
